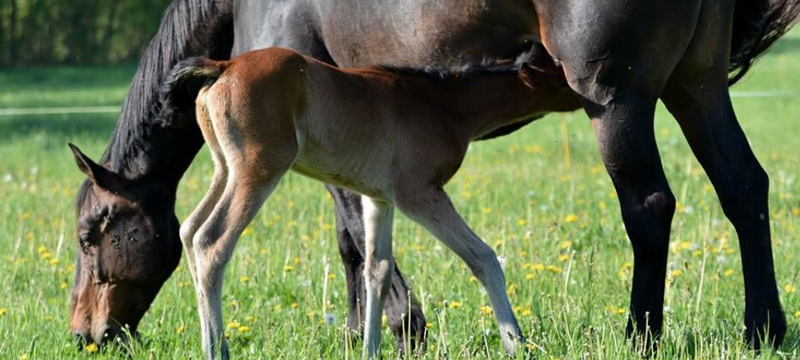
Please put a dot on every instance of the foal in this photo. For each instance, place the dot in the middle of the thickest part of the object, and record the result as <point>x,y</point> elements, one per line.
<point>394,137</point>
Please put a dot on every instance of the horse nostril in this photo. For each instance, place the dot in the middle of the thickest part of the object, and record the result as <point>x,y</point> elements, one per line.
<point>81,338</point>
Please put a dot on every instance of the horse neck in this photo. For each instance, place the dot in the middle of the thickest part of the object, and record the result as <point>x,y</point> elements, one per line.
<point>483,103</point>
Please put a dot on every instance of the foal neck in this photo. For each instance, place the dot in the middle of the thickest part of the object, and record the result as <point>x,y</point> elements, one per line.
<point>483,102</point>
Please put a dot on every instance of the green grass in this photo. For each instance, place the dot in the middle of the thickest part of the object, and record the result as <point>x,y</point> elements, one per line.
<point>557,225</point>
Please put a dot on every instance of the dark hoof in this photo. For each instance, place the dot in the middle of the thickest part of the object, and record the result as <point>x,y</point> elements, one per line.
<point>767,329</point>
<point>411,333</point>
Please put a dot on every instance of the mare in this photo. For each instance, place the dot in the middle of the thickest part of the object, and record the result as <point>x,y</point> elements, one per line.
<point>395,139</point>
<point>619,57</point>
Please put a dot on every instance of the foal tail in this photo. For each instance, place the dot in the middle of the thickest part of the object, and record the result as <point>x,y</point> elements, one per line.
<point>757,24</point>
<point>184,82</point>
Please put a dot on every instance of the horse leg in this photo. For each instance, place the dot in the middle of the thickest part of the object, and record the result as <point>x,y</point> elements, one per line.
<point>432,208</point>
<point>409,330</point>
<point>619,82</point>
<point>378,264</point>
<point>203,210</point>
<point>697,95</point>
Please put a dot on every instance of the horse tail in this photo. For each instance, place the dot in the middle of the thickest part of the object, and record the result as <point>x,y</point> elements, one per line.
<point>184,82</point>
<point>757,24</point>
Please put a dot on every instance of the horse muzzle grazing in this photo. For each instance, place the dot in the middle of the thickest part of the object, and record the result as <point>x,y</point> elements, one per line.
<point>126,251</point>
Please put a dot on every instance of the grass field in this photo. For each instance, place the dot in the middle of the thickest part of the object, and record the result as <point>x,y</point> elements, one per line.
<point>540,197</point>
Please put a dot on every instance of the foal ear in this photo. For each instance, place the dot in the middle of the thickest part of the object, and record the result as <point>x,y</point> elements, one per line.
<point>99,175</point>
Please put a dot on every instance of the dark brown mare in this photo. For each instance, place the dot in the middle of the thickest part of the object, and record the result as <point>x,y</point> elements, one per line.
<point>619,56</point>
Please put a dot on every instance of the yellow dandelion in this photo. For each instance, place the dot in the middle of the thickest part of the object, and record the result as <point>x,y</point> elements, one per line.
<point>234,324</point>
<point>797,314</point>
<point>288,268</point>
<point>527,312</point>
<point>676,273</point>
<point>486,310</point>
<point>91,348</point>
<point>454,304</point>
<point>180,329</point>
<point>243,329</point>
<point>563,257</point>
<point>293,305</point>
<point>69,268</point>
<point>247,231</point>
<point>63,285</point>
<point>530,276</point>
<point>428,325</point>
<point>486,210</point>
<point>331,276</point>
<point>554,269</point>
<point>46,255</point>
<point>277,307</point>
<point>571,218</point>
<point>537,267</point>
<point>728,272</point>
<point>23,357</point>
<point>789,288</point>
<point>523,253</point>
<point>522,222</point>
<point>3,311</point>
<point>54,261</point>
<point>473,279</point>
<point>566,244</point>
<point>244,279</point>
<point>41,249</point>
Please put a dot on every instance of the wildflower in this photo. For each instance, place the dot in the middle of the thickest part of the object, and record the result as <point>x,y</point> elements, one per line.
<point>486,310</point>
<point>23,357</point>
<point>288,268</point>
<point>530,276</point>
<point>454,305</point>
<point>180,329</point>
<point>615,310</point>
<point>486,210</point>
<point>571,218</point>
<point>554,269</point>
<point>676,273</point>
<point>566,245</point>
<point>247,231</point>
<point>244,279</point>
<point>54,261</point>
<point>527,312</point>
<point>277,307</point>
<point>473,279</point>
<point>3,311</point>
<point>243,329</point>
<point>789,288</point>
<point>522,222</point>
<point>330,319</point>
<point>91,348</point>
<point>797,314</point>
<point>428,325</point>
<point>63,285</point>
<point>563,257</point>
<point>293,305</point>
<point>728,272</point>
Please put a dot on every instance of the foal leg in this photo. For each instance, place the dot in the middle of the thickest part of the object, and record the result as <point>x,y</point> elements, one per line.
<point>406,319</point>
<point>378,268</point>
<point>203,210</point>
<point>697,95</point>
<point>431,208</point>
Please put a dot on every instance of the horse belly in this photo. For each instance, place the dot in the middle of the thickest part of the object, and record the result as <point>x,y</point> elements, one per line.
<point>362,172</point>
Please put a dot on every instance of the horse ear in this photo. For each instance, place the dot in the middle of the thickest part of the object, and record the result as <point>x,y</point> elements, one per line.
<point>99,175</point>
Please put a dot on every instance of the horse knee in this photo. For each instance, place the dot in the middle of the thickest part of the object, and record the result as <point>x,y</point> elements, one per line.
<point>483,261</point>
<point>741,198</point>
<point>648,219</point>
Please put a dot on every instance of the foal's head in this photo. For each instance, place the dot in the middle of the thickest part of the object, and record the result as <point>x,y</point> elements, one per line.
<point>126,250</point>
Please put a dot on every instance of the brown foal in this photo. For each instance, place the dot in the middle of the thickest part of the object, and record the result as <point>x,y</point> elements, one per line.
<point>396,137</point>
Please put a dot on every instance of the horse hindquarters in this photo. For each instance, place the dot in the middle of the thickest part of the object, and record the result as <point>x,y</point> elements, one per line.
<point>258,148</point>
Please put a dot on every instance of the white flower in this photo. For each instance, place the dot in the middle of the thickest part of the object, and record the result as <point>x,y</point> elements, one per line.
<point>330,319</point>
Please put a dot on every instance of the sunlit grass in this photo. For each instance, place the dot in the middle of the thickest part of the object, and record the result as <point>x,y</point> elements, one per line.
<point>554,221</point>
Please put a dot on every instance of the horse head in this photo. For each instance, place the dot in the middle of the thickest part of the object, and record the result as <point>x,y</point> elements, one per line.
<point>127,248</point>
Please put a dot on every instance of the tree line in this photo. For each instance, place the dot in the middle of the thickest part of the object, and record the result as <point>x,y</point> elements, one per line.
<point>51,32</point>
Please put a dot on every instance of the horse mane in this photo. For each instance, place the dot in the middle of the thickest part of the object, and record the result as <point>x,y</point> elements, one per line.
<point>757,24</point>
<point>188,28</point>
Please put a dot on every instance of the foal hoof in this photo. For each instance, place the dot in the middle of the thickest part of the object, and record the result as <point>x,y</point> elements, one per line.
<point>766,328</point>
